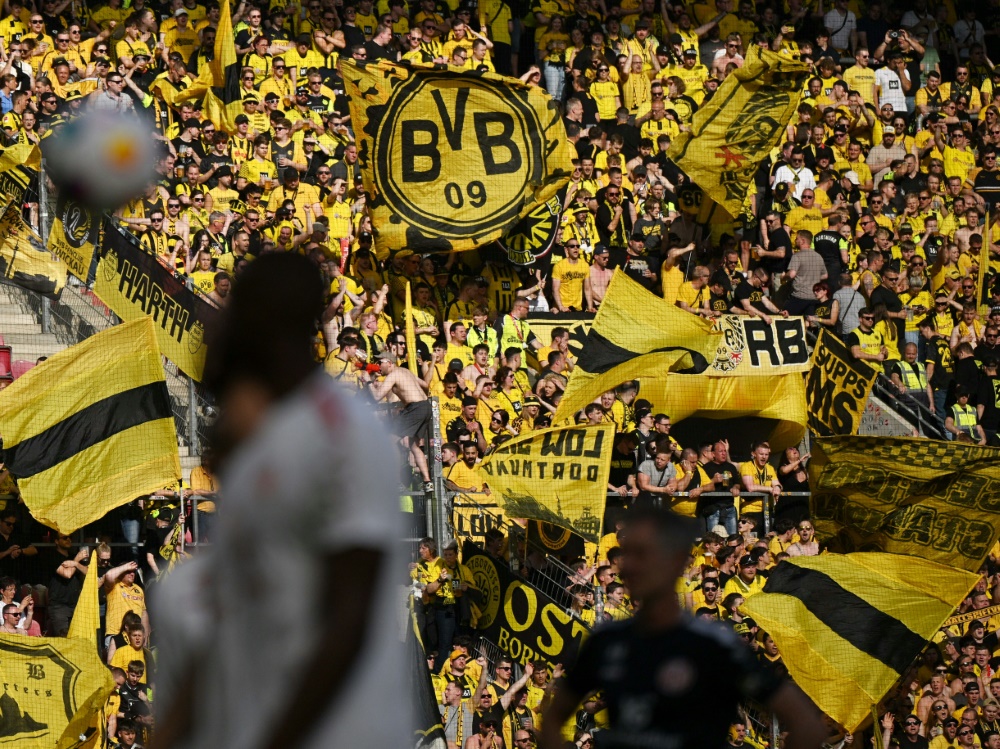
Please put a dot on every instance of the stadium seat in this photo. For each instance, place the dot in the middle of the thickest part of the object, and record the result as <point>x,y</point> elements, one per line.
<point>21,366</point>
<point>6,356</point>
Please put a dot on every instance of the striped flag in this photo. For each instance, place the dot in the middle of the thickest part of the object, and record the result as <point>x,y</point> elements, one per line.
<point>91,428</point>
<point>848,626</point>
<point>635,334</point>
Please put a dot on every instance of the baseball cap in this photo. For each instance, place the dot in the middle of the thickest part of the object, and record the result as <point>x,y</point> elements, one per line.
<point>852,177</point>
<point>994,311</point>
<point>251,99</point>
<point>638,236</point>
<point>530,400</point>
<point>180,12</point>
<point>458,654</point>
<point>905,229</point>
<point>241,119</point>
<point>888,130</point>
<point>747,560</point>
<point>690,53</point>
<point>840,129</point>
<point>469,401</point>
<point>271,96</point>
<point>302,90</point>
<point>456,365</point>
<point>600,250</point>
<point>223,171</point>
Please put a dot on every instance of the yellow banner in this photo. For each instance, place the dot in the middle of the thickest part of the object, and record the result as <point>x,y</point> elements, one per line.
<point>557,475</point>
<point>749,346</point>
<point>225,47</point>
<point>472,517</point>
<point>91,428</point>
<point>74,236</point>
<point>24,261</point>
<point>134,284</point>
<point>14,175</point>
<point>87,615</point>
<point>411,336</point>
<point>837,388</point>
<point>925,498</point>
<point>735,130</point>
<point>49,682</point>
<point>450,160</point>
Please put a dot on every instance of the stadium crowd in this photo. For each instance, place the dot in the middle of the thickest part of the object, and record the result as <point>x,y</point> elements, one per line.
<point>869,219</point>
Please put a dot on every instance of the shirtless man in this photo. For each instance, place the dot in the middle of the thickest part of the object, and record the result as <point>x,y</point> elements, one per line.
<point>480,366</point>
<point>935,693</point>
<point>220,294</point>
<point>807,545</point>
<point>414,419</point>
<point>600,277</point>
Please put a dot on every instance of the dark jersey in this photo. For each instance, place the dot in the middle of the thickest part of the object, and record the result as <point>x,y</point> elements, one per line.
<point>745,290</point>
<point>663,688</point>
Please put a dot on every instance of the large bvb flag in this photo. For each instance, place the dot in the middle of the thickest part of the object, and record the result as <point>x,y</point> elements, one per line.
<point>91,428</point>
<point>849,626</point>
<point>452,160</point>
<point>742,122</point>
<point>635,334</point>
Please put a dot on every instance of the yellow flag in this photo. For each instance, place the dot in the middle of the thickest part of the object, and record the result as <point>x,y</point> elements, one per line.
<point>24,261</point>
<point>635,334</point>
<point>14,175</point>
<point>926,498</point>
<point>220,114</point>
<point>736,129</point>
<point>557,475</point>
<point>87,614</point>
<point>837,387</point>
<point>452,160</point>
<point>55,686</point>
<point>411,336</point>
<point>849,626</point>
<point>91,428</point>
<point>74,236</point>
<point>225,46</point>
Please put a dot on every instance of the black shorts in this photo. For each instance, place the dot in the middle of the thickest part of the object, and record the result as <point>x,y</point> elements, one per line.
<point>414,420</point>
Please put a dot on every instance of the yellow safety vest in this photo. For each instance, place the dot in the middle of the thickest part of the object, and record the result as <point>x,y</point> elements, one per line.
<point>914,375</point>
<point>965,419</point>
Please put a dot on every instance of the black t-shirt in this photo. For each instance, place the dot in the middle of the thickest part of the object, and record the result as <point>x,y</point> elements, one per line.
<point>892,302</point>
<point>916,742</point>
<point>778,238</point>
<point>966,373</point>
<point>635,266</point>
<point>939,353</point>
<point>632,666</point>
<point>745,290</point>
<point>827,244</point>
<point>988,396</point>
<point>62,591</point>
<point>622,466</point>
<point>494,711</point>
<point>718,303</point>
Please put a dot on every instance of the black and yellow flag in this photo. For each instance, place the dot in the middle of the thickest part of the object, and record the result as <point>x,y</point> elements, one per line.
<point>53,690</point>
<point>733,133</point>
<point>19,164</point>
<point>848,626</point>
<point>24,261</point>
<point>837,388</point>
<point>91,428</point>
<point>87,615</point>
<point>134,284</point>
<point>557,475</point>
<point>635,334</point>
<point>428,733</point>
<point>926,498</point>
<point>74,236</point>
<point>452,160</point>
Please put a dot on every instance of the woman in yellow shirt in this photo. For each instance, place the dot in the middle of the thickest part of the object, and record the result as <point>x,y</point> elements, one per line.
<point>507,394</point>
<point>605,93</point>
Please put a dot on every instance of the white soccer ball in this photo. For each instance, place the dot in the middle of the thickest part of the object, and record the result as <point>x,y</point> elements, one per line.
<point>101,159</point>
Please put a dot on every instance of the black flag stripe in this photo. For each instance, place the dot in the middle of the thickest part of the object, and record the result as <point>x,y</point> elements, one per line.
<point>88,427</point>
<point>600,355</point>
<point>854,619</point>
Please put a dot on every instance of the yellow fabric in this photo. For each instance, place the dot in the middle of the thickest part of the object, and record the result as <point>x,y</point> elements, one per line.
<point>87,615</point>
<point>73,236</point>
<point>411,337</point>
<point>724,147</point>
<point>891,493</point>
<point>97,478</point>
<point>837,387</point>
<point>557,475</point>
<point>465,190</point>
<point>840,674</point>
<point>26,262</point>
<point>637,321</point>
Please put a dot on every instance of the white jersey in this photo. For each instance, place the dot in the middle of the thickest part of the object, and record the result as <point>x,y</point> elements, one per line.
<point>318,478</point>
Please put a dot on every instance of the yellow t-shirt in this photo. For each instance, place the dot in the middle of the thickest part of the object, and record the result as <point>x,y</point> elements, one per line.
<point>571,278</point>
<point>763,477</point>
<point>121,599</point>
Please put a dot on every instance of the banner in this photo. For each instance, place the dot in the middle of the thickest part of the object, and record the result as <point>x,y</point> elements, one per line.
<point>133,284</point>
<point>555,540</point>
<point>86,620</point>
<point>749,346</point>
<point>837,388</point>
<point>734,131</point>
<point>24,261</point>
<point>473,517</point>
<point>849,626</point>
<point>451,161</point>
<point>525,623</point>
<point>411,336</point>
<point>19,164</point>
<point>91,428</point>
<point>577,323</point>
<point>557,475</point>
<point>532,237</point>
<point>49,682</point>
<point>75,233</point>
<point>926,498</point>
<point>635,334</point>
<point>428,733</point>
<point>969,616</point>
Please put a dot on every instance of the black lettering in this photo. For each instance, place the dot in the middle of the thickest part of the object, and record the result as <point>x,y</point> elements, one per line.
<point>558,470</point>
<point>976,540</point>
<point>574,442</point>
<point>550,447</point>
<point>140,294</point>
<point>844,406</point>
<point>156,302</point>
<point>760,340</point>
<point>575,471</point>
<point>488,143</point>
<point>411,150</point>
<point>791,341</point>
<point>592,472</point>
<point>595,451</point>
<point>180,325</point>
<point>526,467</point>
<point>126,277</point>
<point>452,128</point>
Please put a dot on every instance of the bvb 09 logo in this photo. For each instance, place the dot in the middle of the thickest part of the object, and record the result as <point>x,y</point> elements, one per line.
<point>487,579</point>
<point>456,159</point>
